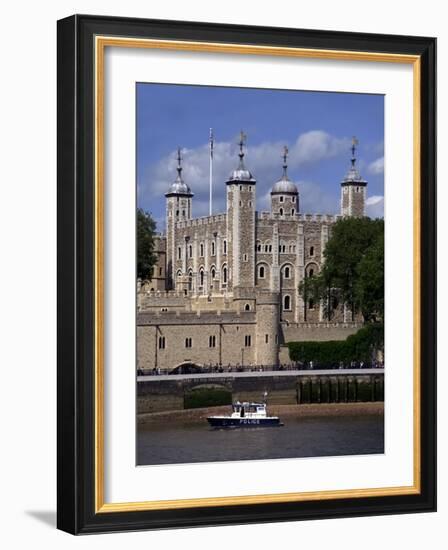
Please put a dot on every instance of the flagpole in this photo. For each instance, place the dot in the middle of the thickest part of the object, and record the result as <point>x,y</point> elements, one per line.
<point>211,172</point>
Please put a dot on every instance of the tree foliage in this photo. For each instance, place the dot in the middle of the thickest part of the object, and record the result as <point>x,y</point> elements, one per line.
<point>353,270</point>
<point>362,346</point>
<point>146,258</point>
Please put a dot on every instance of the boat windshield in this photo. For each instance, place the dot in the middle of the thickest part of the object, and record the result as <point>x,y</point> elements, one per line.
<point>249,407</point>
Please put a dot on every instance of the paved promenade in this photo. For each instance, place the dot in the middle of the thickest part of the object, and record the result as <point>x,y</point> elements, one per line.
<point>257,374</point>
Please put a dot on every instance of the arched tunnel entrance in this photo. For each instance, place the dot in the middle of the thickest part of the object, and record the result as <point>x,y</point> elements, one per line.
<point>187,368</point>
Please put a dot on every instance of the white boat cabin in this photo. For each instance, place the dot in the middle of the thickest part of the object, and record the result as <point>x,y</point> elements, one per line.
<point>248,410</point>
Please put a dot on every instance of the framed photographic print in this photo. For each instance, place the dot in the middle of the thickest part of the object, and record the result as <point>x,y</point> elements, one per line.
<point>246,274</point>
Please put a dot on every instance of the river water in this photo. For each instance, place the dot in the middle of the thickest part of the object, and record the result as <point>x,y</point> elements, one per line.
<point>300,437</point>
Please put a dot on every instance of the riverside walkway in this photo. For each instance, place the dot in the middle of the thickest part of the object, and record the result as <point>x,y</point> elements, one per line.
<point>258,374</point>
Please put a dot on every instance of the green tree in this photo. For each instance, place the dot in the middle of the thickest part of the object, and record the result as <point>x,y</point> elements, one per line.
<point>353,270</point>
<point>369,286</point>
<point>146,258</point>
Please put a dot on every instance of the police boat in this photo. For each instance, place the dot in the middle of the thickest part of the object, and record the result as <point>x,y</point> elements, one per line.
<point>245,415</point>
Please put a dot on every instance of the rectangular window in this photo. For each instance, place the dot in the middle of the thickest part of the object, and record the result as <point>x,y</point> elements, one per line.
<point>179,253</point>
<point>212,341</point>
<point>247,341</point>
<point>266,338</point>
<point>188,342</point>
<point>161,342</point>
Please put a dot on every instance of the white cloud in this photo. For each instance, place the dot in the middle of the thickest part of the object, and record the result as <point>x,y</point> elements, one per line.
<point>376,167</point>
<point>315,146</point>
<point>264,161</point>
<point>375,206</point>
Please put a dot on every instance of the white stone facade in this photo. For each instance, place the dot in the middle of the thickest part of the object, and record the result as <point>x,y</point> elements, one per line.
<point>243,265</point>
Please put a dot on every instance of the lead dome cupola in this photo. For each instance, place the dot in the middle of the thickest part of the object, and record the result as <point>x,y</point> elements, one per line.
<point>179,187</point>
<point>241,174</point>
<point>284,186</point>
<point>353,177</point>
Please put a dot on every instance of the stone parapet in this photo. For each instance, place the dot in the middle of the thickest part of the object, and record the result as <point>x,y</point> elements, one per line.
<point>205,220</point>
<point>188,318</point>
<point>327,218</point>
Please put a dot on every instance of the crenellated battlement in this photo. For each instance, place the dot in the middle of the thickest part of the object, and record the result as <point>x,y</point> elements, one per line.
<point>321,218</point>
<point>189,318</point>
<point>204,220</point>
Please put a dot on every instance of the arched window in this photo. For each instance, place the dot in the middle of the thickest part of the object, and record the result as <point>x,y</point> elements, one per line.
<point>213,248</point>
<point>282,198</point>
<point>311,250</point>
<point>179,273</point>
<point>261,272</point>
<point>293,211</point>
<point>201,250</point>
<point>190,251</point>
<point>179,253</point>
<point>247,307</point>
<point>224,274</point>
<point>224,247</point>
<point>258,246</point>
<point>213,271</point>
<point>190,280</point>
<point>311,272</point>
<point>201,277</point>
<point>311,304</point>
<point>281,211</point>
<point>293,199</point>
<point>287,272</point>
<point>287,303</point>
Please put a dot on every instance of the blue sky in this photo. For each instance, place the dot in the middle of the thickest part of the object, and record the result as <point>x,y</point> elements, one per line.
<point>317,127</point>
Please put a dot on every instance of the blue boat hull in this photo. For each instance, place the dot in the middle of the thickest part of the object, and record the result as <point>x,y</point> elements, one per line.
<point>217,422</point>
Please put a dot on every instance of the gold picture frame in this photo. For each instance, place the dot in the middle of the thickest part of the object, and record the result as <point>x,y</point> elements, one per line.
<point>77,37</point>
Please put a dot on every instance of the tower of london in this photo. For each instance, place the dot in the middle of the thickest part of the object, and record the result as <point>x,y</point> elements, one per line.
<point>225,287</point>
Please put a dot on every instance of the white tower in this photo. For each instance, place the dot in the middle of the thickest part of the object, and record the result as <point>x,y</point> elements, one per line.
<point>178,208</point>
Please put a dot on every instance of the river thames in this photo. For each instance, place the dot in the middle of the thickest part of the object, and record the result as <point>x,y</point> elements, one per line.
<point>176,442</point>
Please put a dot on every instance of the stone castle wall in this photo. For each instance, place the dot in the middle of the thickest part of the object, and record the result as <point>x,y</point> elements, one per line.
<point>230,345</point>
<point>225,287</point>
